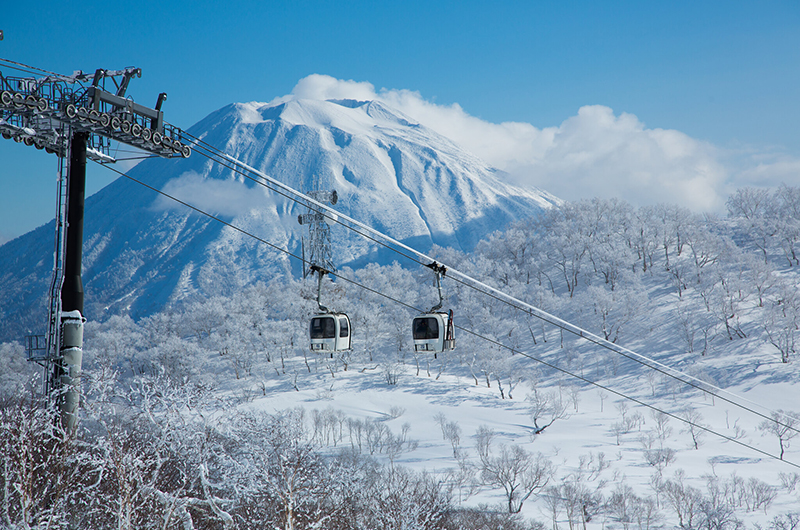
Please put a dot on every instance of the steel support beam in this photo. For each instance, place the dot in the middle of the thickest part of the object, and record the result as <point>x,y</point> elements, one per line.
<point>67,368</point>
<point>72,290</point>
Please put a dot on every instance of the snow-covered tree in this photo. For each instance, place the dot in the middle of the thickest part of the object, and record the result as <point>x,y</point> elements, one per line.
<point>784,426</point>
<point>512,468</point>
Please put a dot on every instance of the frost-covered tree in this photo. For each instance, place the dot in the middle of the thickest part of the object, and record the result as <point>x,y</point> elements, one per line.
<point>783,425</point>
<point>512,468</point>
<point>684,499</point>
<point>781,319</point>
<point>545,408</point>
<point>694,426</point>
<point>39,473</point>
<point>788,220</point>
<point>17,374</point>
<point>756,211</point>
<point>610,312</point>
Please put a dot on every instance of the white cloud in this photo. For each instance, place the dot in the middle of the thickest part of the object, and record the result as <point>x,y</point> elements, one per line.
<point>593,154</point>
<point>599,154</point>
<point>219,197</point>
<point>323,87</point>
<point>765,169</point>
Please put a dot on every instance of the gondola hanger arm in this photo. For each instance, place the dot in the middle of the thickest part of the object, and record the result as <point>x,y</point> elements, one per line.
<point>440,271</point>
<point>320,273</point>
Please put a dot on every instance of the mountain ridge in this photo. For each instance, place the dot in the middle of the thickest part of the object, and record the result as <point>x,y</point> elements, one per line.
<point>143,253</point>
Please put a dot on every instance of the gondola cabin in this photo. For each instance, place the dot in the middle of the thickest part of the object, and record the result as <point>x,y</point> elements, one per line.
<point>330,332</point>
<point>434,332</point>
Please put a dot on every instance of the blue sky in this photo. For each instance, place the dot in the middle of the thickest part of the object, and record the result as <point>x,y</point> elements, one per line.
<point>723,76</point>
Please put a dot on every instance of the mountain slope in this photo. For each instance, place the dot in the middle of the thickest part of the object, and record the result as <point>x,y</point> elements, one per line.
<point>143,251</point>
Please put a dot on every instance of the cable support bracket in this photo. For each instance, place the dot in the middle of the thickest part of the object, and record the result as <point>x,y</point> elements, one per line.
<point>36,111</point>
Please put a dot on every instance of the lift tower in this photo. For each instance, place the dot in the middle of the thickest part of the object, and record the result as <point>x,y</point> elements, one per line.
<point>75,117</point>
<point>319,233</point>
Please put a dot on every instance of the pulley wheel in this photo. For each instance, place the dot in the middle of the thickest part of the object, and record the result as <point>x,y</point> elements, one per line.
<point>125,127</point>
<point>31,101</point>
<point>115,123</point>
<point>27,140</point>
<point>186,151</point>
<point>147,134</point>
<point>6,98</point>
<point>136,130</point>
<point>19,100</point>
<point>94,115</point>
<point>41,105</point>
<point>157,138</point>
<point>105,119</point>
<point>71,111</point>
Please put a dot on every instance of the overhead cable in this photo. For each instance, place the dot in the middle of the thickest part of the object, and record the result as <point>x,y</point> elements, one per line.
<point>329,212</point>
<point>474,333</point>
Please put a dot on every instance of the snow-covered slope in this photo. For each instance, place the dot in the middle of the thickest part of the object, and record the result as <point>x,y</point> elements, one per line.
<point>391,173</point>
<point>143,251</point>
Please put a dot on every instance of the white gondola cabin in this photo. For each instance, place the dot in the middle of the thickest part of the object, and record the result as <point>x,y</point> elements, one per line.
<point>434,332</point>
<point>330,332</point>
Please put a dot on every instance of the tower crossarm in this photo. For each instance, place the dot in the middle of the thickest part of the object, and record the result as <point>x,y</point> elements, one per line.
<point>37,110</point>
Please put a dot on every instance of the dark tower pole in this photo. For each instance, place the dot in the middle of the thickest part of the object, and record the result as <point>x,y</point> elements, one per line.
<point>72,289</point>
<point>67,369</point>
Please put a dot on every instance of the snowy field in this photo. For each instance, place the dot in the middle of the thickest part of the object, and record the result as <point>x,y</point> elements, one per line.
<point>581,436</point>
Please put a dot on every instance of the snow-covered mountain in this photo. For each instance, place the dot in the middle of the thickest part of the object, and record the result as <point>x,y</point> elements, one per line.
<point>143,251</point>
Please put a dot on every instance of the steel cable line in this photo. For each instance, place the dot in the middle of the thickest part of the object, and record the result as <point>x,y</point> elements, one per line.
<point>261,240</point>
<point>234,165</point>
<point>465,330</point>
<point>30,69</point>
<point>18,68</point>
<point>466,280</point>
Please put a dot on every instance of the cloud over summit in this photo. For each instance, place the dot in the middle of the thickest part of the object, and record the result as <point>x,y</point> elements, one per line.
<point>595,153</point>
<point>220,197</point>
